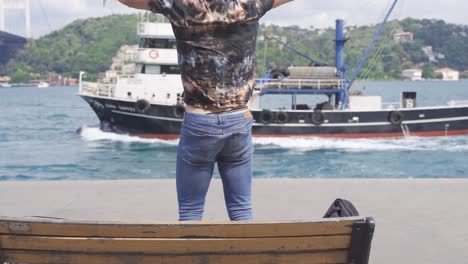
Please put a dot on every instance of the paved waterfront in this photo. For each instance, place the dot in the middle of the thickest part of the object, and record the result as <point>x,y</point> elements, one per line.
<point>418,221</point>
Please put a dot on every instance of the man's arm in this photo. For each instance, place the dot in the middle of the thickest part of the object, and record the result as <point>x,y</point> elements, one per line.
<point>280,2</point>
<point>138,4</point>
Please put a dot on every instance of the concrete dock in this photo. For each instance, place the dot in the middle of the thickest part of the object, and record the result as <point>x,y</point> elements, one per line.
<point>418,221</point>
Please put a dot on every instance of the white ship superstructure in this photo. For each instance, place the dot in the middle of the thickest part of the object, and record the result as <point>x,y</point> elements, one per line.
<point>157,76</point>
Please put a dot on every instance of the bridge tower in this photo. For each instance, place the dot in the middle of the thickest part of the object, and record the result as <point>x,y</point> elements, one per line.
<point>16,4</point>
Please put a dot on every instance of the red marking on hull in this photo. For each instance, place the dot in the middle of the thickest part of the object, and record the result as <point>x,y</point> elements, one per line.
<point>356,136</point>
<point>375,135</point>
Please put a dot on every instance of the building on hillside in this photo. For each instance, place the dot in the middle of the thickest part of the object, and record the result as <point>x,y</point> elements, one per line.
<point>403,37</point>
<point>111,76</point>
<point>128,68</point>
<point>412,74</point>
<point>449,74</point>
<point>122,63</point>
<point>429,53</point>
<point>70,81</point>
<point>432,55</point>
<point>5,79</point>
<point>54,79</point>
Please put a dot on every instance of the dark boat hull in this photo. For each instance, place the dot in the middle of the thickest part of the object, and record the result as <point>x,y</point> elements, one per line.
<point>164,122</point>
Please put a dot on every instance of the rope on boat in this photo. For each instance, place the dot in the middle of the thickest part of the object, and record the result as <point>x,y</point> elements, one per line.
<point>391,30</point>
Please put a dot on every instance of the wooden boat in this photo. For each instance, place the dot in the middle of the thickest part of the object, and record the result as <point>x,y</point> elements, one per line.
<point>338,240</point>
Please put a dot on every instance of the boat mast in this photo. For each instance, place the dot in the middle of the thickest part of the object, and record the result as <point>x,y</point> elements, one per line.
<point>340,43</point>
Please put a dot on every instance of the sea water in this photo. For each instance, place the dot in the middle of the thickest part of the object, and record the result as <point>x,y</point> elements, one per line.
<point>52,134</point>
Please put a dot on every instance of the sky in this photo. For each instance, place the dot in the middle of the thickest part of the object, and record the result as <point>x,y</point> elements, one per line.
<point>50,15</point>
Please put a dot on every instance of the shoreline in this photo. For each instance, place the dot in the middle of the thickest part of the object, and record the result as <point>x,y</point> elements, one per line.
<point>418,220</point>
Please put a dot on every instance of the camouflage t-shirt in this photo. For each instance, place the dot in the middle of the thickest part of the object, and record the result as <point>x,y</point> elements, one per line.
<point>216,46</point>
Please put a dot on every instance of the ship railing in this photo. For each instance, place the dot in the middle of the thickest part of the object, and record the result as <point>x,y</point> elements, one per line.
<point>105,89</point>
<point>87,88</point>
<point>457,102</point>
<point>390,105</point>
<point>126,76</point>
<point>301,83</point>
<point>97,89</point>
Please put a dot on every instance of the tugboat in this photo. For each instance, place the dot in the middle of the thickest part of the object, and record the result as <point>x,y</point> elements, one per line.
<point>149,103</point>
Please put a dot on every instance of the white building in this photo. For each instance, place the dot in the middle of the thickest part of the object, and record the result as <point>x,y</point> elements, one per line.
<point>403,37</point>
<point>429,53</point>
<point>449,74</point>
<point>412,74</point>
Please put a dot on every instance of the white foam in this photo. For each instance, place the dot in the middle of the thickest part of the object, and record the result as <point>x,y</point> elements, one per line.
<point>96,134</point>
<point>362,145</point>
<point>451,144</point>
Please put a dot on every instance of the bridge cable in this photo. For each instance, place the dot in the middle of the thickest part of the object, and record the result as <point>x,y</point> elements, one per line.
<point>45,15</point>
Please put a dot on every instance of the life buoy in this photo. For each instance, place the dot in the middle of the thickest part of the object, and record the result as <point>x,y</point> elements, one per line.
<point>317,118</point>
<point>266,117</point>
<point>154,54</point>
<point>282,117</point>
<point>179,110</point>
<point>396,117</point>
<point>142,105</point>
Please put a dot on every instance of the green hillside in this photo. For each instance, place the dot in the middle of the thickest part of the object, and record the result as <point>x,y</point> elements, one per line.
<point>90,44</point>
<point>87,45</point>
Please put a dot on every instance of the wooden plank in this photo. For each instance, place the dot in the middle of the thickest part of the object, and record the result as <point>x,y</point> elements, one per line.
<point>176,230</point>
<point>175,246</point>
<point>336,257</point>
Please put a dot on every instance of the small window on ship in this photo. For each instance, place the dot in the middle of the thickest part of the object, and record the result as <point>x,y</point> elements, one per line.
<point>148,43</point>
<point>158,69</point>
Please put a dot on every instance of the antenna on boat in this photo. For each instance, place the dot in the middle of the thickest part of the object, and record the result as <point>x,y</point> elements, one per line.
<point>369,49</point>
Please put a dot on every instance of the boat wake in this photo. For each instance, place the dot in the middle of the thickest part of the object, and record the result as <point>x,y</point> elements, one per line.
<point>450,144</point>
<point>96,134</point>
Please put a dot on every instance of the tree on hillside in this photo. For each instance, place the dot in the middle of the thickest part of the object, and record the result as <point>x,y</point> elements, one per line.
<point>90,44</point>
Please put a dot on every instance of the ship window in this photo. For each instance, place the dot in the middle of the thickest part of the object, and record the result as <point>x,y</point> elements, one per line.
<point>152,69</point>
<point>139,68</point>
<point>170,69</point>
<point>158,69</point>
<point>149,43</point>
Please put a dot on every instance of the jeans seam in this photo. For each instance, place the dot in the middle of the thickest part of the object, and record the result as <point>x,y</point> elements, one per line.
<point>195,164</point>
<point>237,162</point>
<point>209,133</point>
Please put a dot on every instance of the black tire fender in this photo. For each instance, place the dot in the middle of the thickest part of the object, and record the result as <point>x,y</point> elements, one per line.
<point>317,118</point>
<point>266,117</point>
<point>282,117</point>
<point>396,117</point>
<point>179,110</point>
<point>142,106</point>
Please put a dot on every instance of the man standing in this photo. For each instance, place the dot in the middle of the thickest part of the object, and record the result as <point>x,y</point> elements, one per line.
<point>216,45</point>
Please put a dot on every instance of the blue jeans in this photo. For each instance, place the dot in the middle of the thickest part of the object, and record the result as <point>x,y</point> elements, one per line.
<point>225,139</point>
